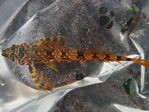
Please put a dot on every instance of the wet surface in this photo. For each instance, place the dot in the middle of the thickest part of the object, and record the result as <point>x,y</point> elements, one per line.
<point>80,25</point>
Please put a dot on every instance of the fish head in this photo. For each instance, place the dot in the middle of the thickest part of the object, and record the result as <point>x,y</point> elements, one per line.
<point>11,53</point>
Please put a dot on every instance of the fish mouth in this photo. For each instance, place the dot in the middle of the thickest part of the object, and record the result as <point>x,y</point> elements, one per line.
<point>4,53</point>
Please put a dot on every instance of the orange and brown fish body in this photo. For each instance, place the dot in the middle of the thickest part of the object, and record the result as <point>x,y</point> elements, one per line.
<point>25,54</point>
<point>74,55</point>
<point>46,52</point>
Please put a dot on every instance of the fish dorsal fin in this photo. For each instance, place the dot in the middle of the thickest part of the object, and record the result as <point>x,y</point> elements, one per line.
<point>52,40</point>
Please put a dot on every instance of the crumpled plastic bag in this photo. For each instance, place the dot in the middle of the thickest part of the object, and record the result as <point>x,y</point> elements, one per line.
<point>81,25</point>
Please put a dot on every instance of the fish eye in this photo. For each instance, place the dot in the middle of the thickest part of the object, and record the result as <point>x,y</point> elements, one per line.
<point>13,47</point>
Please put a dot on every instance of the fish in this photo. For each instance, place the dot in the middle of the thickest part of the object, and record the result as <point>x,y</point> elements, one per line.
<point>49,50</point>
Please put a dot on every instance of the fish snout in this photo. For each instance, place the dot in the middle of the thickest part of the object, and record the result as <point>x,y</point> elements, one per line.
<point>4,53</point>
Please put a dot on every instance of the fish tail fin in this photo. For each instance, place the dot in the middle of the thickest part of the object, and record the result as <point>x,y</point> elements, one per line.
<point>145,63</point>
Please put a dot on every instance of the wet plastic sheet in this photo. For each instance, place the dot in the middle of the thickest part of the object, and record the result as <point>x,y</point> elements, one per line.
<point>78,22</point>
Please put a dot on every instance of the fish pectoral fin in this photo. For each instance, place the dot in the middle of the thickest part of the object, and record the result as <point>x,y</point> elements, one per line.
<point>51,66</point>
<point>41,81</point>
